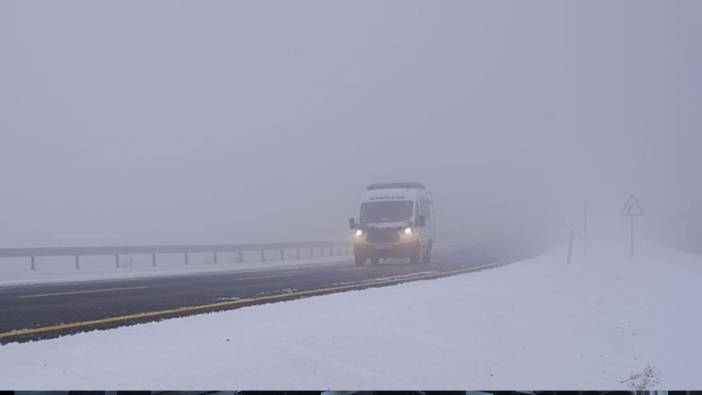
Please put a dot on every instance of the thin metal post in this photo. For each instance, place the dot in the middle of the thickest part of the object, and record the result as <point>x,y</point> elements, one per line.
<point>631,218</point>
<point>263,255</point>
<point>153,259</point>
<point>321,251</point>
<point>297,254</point>
<point>570,246</point>
<point>585,231</point>
<point>33,263</point>
<point>311,252</point>
<point>241,256</point>
<point>117,261</point>
<point>214,257</point>
<point>77,261</point>
<point>185,255</point>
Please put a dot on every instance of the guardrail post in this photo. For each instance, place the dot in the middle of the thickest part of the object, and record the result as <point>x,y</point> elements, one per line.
<point>287,251</point>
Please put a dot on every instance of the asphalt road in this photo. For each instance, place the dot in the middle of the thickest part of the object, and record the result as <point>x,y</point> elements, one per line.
<point>34,312</point>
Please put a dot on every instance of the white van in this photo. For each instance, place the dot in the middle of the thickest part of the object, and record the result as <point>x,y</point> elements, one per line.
<point>396,221</point>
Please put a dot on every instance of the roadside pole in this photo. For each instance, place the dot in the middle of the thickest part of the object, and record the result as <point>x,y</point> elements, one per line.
<point>570,246</point>
<point>585,231</point>
<point>631,218</point>
<point>631,209</point>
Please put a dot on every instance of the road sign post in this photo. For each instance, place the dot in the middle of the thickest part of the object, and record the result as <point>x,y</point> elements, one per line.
<point>631,209</point>
<point>585,231</point>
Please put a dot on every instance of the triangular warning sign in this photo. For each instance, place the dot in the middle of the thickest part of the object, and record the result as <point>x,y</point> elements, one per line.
<point>632,208</point>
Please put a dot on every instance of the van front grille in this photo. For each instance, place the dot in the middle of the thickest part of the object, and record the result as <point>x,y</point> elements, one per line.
<point>383,235</point>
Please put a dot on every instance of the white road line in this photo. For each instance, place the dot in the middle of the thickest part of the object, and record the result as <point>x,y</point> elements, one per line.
<point>81,292</point>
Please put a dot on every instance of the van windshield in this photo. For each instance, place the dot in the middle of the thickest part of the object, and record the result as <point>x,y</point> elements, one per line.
<point>387,211</point>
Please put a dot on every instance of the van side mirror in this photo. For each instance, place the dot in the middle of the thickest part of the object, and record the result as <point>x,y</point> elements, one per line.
<point>352,223</point>
<point>421,220</point>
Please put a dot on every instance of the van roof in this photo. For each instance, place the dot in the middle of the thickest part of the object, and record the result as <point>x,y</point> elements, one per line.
<point>387,185</point>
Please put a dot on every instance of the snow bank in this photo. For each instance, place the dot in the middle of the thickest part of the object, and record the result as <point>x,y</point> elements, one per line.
<point>602,322</point>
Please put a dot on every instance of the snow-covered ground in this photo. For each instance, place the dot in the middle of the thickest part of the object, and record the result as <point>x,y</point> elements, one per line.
<point>62,269</point>
<point>602,322</point>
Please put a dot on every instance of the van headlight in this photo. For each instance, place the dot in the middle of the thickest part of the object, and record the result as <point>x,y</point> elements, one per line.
<point>407,231</point>
<point>359,233</point>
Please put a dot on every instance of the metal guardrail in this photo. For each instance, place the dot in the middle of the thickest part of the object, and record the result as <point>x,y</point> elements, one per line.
<point>333,248</point>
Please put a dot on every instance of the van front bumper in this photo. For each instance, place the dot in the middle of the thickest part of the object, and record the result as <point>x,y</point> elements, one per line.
<point>386,250</point>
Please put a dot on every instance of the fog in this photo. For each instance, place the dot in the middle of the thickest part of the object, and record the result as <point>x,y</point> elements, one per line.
<point>205,122</point>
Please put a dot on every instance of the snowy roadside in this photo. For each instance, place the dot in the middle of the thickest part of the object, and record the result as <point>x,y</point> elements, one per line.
<point>536,324</point>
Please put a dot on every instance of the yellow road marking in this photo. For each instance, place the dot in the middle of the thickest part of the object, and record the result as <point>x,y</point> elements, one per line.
<point>186,309</point>
<point>81,292</point>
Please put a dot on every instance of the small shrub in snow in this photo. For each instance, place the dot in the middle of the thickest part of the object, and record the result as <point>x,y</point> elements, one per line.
<point>645,380</point>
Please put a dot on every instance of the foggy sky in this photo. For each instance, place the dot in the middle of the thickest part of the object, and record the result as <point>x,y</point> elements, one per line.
<point>219,121</point>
